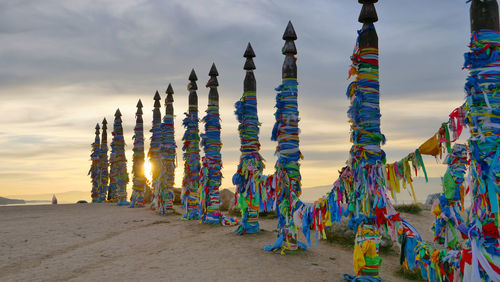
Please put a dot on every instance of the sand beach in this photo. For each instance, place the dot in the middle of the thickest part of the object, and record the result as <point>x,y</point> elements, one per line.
<point>104,242</point>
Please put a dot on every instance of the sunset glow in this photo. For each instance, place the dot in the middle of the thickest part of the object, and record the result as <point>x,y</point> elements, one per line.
<point>147,171</point>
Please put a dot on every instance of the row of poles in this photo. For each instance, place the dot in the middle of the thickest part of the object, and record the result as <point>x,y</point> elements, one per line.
<point>368,206</point>
<point>202,177</point>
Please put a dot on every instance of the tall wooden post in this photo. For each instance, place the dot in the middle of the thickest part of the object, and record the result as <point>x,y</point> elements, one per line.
<point>104,164</point>
<point>168,156</point>
<point>139,178</point>
<point>94,168</point>
<point>367,200</point>
<point>483,119</point>
<point>286,132</point>
<point>154,152</point>
<point>249,179</point>
<point>190,184</point>
<point>118,174</point>
<point>211,175</point>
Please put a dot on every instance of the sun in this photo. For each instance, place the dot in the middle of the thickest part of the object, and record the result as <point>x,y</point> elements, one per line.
<point>147,171</point>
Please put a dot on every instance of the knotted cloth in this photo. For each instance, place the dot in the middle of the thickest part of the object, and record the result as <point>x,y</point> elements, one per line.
<point>287,179</point>
<point>191,182</point>
<point>139,178</point>
<point>94,171</point>
<point>118,172</point>
<point>168,163</point>
<point>154,155</point>
<point>211,175</point>
<point>248,179</point>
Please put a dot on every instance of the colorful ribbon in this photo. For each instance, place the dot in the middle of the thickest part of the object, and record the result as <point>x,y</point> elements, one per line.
<point>95,167</point>
<point>139,179</point>
<point>248,179</point>
<point>118,172</point>
<point>191,181</point>
<point>104,165</point>
<point>168,164</point>
<point>287,177</point>
<point>154,155</point>
<point>211,175</point>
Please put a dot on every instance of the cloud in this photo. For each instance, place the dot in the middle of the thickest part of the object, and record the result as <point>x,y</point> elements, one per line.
<point>67,64</point>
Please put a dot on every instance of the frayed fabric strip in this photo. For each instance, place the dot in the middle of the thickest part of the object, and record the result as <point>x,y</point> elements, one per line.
<point>248,179</point>
<point>118,172</point>
<point>190,184</point>
<point>168,164</point>
<point>139,178</point>
<point>95,167</point>
<point>211,175</point>
<point>287,169</point>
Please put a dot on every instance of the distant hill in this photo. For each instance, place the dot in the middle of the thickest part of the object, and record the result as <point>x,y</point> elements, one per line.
<point>6,201</point>
<point>62,198</point>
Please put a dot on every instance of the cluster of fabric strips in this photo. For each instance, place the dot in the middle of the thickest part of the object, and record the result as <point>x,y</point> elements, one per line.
<point>103,169</point>
<point>483,119</point>
<point>94,171</point>
<point>248,178</point>
<point>168,164</point>
<point>190,183</point>
<point>211,175</point>
<point>399,172</point>
<point>450,205</point>
<point>287,178</point>
<point>118,172</point>
<point>366,251</point>
<point>365,181</point>
<point>154,155</point>
<point>139,178</point>
<point>478,257</point>
<point>473,262</point>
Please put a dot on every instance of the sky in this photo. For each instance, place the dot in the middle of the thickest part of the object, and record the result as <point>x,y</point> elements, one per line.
<point>66,65</point>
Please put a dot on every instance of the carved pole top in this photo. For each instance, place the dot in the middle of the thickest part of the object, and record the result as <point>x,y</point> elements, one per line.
<point>289,69</point>
<point>289,33</point>
<point>193,78</point>
<point>118,115</point>
<point>157,99</point>
<point>249,84</point>
<point>193,98</point>
<point>212,83</point>
<point>170,90</point>
<point>104,138</point>
<point>96,133</point>
<point>169,110</point>
<point>249,54</point>
<point>484,15</point>
<point>367,16</point>
<point>139,108</point>
<point>213,73</point>
<point>170,93</point>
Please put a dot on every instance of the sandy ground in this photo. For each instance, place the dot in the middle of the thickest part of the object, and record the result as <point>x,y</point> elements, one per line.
<point>104,242</point>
